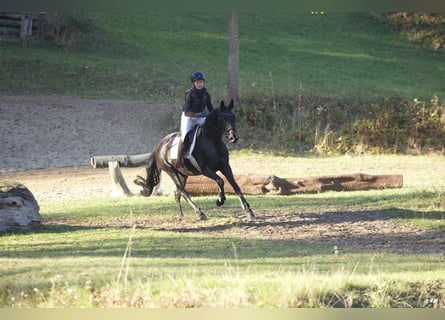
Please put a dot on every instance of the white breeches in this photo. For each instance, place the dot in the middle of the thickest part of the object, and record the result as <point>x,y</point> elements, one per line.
<point>187,124</point>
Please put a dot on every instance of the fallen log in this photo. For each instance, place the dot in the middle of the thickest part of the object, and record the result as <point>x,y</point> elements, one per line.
<point>136,160</point>
<point>270,184</point>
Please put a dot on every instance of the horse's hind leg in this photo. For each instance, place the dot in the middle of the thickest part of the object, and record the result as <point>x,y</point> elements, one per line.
<point>180,190</point>
<point>178,203</point>
<point>187,198</point>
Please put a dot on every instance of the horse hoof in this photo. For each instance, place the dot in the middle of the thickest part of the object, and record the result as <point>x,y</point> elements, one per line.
<point>202,217</point>
<point>219,203</point>
<point>252,216</point>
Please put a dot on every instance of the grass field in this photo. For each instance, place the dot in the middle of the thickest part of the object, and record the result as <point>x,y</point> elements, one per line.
<point>150,56</point>
<point>132,252</point>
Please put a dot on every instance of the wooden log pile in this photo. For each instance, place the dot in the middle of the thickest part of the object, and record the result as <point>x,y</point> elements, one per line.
<point>270,184</point>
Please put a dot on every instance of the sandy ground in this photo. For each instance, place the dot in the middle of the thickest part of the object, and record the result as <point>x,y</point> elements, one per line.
<point>52,131</point>
<point>47,142</point>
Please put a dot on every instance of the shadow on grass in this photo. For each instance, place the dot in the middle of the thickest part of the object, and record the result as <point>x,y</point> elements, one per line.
<point>283,235</point>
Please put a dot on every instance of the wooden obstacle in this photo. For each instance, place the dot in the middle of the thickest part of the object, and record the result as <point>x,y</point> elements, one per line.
<point>119,186</point>
<point>270,184</point>
<point>252,184</point>
<point>136,160</point>
<point>17,26</point>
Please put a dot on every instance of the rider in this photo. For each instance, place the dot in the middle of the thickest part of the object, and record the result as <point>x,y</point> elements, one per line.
<point>196,100</point>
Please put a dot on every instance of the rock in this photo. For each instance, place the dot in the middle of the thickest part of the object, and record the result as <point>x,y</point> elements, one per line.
<point>19,209</point>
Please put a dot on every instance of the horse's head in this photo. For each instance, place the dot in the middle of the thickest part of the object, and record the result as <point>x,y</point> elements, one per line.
<point>227,121</point>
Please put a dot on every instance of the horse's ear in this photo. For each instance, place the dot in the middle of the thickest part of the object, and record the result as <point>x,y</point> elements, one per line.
<point>231,105</point>
<point>221,104</point>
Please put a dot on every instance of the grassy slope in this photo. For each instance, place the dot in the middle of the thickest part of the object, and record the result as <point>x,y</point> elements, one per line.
<point>345,54</point>
<point>150,56</point>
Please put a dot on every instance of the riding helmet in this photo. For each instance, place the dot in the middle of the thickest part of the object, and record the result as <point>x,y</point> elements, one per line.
<point>197,75</point>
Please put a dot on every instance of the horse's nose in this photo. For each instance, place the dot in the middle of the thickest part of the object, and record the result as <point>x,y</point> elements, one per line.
<point>233,137</point>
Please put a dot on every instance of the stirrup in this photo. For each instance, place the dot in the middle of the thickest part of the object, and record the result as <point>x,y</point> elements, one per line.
<point>179,165</point>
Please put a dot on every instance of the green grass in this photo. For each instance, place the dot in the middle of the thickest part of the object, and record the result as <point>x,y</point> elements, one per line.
<point>63,277</point>
<point>150,56</point>
<point>79,257</point>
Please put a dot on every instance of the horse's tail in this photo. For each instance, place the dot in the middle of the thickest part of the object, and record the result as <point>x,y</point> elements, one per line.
<point>153,177</point>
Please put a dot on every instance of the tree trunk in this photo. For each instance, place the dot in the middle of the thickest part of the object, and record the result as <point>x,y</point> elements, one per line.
<point>232,84</point>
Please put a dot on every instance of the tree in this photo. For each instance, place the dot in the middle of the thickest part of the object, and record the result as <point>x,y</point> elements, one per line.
<point>232,83</point>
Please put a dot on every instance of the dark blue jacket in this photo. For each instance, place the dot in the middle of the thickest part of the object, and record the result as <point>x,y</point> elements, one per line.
<point>196,101</point>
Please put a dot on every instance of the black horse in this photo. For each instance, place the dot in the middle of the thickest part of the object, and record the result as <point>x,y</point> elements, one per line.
<point>209,155</point>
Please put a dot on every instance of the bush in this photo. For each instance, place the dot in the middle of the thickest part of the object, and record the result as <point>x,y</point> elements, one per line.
<point>344,125</point>
<point>427,28</point>
<point>68,30</point>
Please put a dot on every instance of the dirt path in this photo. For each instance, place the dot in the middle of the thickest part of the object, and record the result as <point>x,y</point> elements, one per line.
<point>46,143</point>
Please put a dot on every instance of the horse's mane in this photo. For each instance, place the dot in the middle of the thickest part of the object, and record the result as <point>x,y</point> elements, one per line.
<point>214,114</point>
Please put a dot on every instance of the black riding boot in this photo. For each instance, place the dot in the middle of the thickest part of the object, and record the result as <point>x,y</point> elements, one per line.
<point>179,161</point>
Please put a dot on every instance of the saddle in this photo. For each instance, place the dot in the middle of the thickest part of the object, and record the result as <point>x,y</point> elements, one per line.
<point>189,146</point>
<point>190,140</point>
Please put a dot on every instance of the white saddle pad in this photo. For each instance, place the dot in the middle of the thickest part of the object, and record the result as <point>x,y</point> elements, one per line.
<point>174,148</point>
<point>175,144</point>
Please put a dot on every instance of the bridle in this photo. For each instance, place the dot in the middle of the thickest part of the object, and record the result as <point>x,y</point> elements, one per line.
<point>226,126</point>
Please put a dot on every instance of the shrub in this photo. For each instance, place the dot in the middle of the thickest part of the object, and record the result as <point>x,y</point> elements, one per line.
<point>344,125</point>
<point>427,28</point>
<point>68,30</point>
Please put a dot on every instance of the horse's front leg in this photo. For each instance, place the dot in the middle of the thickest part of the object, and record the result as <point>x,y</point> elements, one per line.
<point>227,171</point>
<point>220,182</point>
